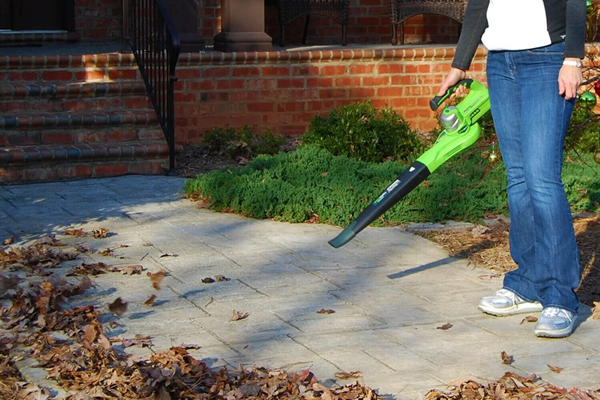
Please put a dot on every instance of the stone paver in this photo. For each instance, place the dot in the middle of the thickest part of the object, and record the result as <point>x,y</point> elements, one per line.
<point>390,290</point>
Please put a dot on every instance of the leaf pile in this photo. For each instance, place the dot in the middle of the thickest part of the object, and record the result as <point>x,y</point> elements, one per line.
<point>510,386</point>
<point>71,344</point>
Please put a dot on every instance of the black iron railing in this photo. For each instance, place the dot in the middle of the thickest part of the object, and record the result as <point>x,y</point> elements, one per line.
<point>155,44</point>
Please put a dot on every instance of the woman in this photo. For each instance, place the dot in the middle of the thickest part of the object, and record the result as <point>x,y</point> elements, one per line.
<point>533,73</point>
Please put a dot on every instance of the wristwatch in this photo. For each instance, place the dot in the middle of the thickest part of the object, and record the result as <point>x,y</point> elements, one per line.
<point>572,63</point>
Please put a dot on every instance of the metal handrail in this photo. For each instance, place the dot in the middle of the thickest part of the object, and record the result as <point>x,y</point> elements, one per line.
<point>156,46</point>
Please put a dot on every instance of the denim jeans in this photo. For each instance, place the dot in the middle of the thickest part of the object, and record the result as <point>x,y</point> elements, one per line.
<point>531,121</point>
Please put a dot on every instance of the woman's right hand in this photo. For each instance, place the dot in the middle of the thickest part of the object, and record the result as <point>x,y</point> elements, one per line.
<point>452,79</point>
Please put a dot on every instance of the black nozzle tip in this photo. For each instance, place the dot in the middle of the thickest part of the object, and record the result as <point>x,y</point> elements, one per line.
<point>343,238</point>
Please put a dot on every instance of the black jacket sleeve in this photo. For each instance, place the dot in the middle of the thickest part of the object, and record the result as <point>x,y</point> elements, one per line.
<point>576,23</point>
<point>473,27</point>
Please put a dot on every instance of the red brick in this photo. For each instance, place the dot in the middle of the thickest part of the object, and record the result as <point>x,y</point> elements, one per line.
<point>23,76</point>
<point>188,73</point>
<point>290,83</point>
<point>185,97</point>
<point>361,69</point>
<point>347,81</point>
<point>110,170</point>
<point>261,107</point>
<point>147,167</point>
<point>116,74</point>
<point>246,71</point>
<point>333,70</point>
<point>332,93</point>
<point>319,82</point>
<point>57,76</point>
<point>57,138</point>
<point>376,80</point>
<point>90,75</point>
<point>226,84</point>
<point>79,171</point>
<point>396,68</point>
<point>150,134</point>
<point>276,71</point>
<point>216,72</point>
<point>122,136</point>
<point>199,85</point>
<point>138,103</point>
<point>361,92</point>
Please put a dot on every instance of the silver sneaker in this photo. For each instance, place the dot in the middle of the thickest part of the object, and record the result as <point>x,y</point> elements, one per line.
<point>504,302</point>
<point>555,323</point>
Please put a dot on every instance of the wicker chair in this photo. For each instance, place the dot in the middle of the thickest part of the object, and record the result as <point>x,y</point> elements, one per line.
<point>401,10</point>
<point>289,10</point>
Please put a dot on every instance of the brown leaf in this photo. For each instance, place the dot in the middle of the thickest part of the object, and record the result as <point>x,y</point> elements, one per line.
<point>156,278</point>
<point>490,276</point>
<point>118,307</point>
<point>239,315</point>
<point>555,369</point>
<point>107,253</point>
<point>150,300</point>
<point>7,283</point>
<point>529,318</point>
<point>596,310</point>
<point>168,255</point>
<point>445,327</point>
<point>100,233</point>
<point>324,311</point>
<point>221,278</point>
<point>49,240</point>
<point>75,232</point>
<point>208,280</point>
<point>348,375</point>
<point>90,332</point>
<point>81,248</point>
<point>326,395</point>
<point>9,241</point>
<point>506,359</point>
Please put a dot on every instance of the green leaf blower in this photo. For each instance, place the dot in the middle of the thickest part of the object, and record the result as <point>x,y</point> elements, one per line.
<point>461,130</point>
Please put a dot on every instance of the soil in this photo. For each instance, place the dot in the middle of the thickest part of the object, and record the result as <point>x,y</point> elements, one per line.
<point>486,246</point>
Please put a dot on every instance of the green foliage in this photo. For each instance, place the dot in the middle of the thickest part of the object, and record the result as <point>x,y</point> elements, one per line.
<point>242,142</point>
<point>361,131</point>
<point>584,131</point>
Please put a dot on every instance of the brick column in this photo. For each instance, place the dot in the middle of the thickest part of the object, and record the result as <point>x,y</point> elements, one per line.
<point>243,27</point>
<point>184,14</point>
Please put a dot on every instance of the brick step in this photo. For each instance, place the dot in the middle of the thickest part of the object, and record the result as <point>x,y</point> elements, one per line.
<point>21,164</point>
<point>10,90</point>
<point>67,62</point>
<point>81,136</point>
<point>25,37</point>
<point>39,120</point>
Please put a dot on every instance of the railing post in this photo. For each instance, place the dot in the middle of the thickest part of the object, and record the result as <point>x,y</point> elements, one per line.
<point>243,27</point>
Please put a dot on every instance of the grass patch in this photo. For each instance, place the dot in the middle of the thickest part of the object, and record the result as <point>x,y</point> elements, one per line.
<point>312,184</point>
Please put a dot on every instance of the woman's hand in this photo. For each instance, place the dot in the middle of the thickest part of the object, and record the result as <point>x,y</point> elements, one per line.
<point>569,80</point>
<point>452,79</point>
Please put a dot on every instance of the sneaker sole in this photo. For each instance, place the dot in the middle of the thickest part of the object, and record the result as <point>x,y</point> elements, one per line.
<point>554,334</point>
<point>513,310</point>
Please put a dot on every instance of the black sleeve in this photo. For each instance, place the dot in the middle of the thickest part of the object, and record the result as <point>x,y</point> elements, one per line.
<point>575,35</point>
<point>473,27</point>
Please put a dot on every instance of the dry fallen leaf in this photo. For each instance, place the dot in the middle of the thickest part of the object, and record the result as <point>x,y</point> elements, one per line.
<point>221,278</point>
<point>49,240</point>
<point>596,310</point>
<point>118,307</point>
<point>208,280</point>
<point>506,359</point>
<point>168,255</point>
<point>100,233</point>
<point>445,327</point>
<point>107,253</point>
<point>129,269</point>
<point>555,369</point>
<point>238,315</point>
<point>324,311</point>
<point>75,232</point>
<point>490,276</point>
<point>150,300</point>
<point>8,241</point>
<point>156,278</point>
<point>81,248</point>
<point>529,318</point>
<point>348,375</point>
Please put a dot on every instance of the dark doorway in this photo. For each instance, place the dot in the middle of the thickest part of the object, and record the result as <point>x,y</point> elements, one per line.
<point>25,15</point>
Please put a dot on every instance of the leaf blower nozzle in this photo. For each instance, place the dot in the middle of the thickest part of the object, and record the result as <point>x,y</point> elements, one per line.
<point>460,131</point>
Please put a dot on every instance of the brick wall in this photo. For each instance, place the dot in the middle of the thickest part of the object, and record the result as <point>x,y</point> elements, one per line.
<point>99,20</point>
<point>285,90</point>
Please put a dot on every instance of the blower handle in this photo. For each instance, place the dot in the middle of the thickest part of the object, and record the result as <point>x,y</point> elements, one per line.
<point>437,100</point>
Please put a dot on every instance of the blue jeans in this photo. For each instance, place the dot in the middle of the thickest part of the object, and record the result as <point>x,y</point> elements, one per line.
<point>531,121</point>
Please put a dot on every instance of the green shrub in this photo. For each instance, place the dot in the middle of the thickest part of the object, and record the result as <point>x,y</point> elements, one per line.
<point>584,131</point>
<point>361,131</point>
<point>242,142</point>
<point>310,181</point>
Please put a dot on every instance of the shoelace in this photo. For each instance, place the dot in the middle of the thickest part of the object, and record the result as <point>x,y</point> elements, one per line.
<point>553,312</point>
<point>508,294</point>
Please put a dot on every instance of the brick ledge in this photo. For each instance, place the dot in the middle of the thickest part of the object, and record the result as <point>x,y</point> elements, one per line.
<point>12,156</point>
